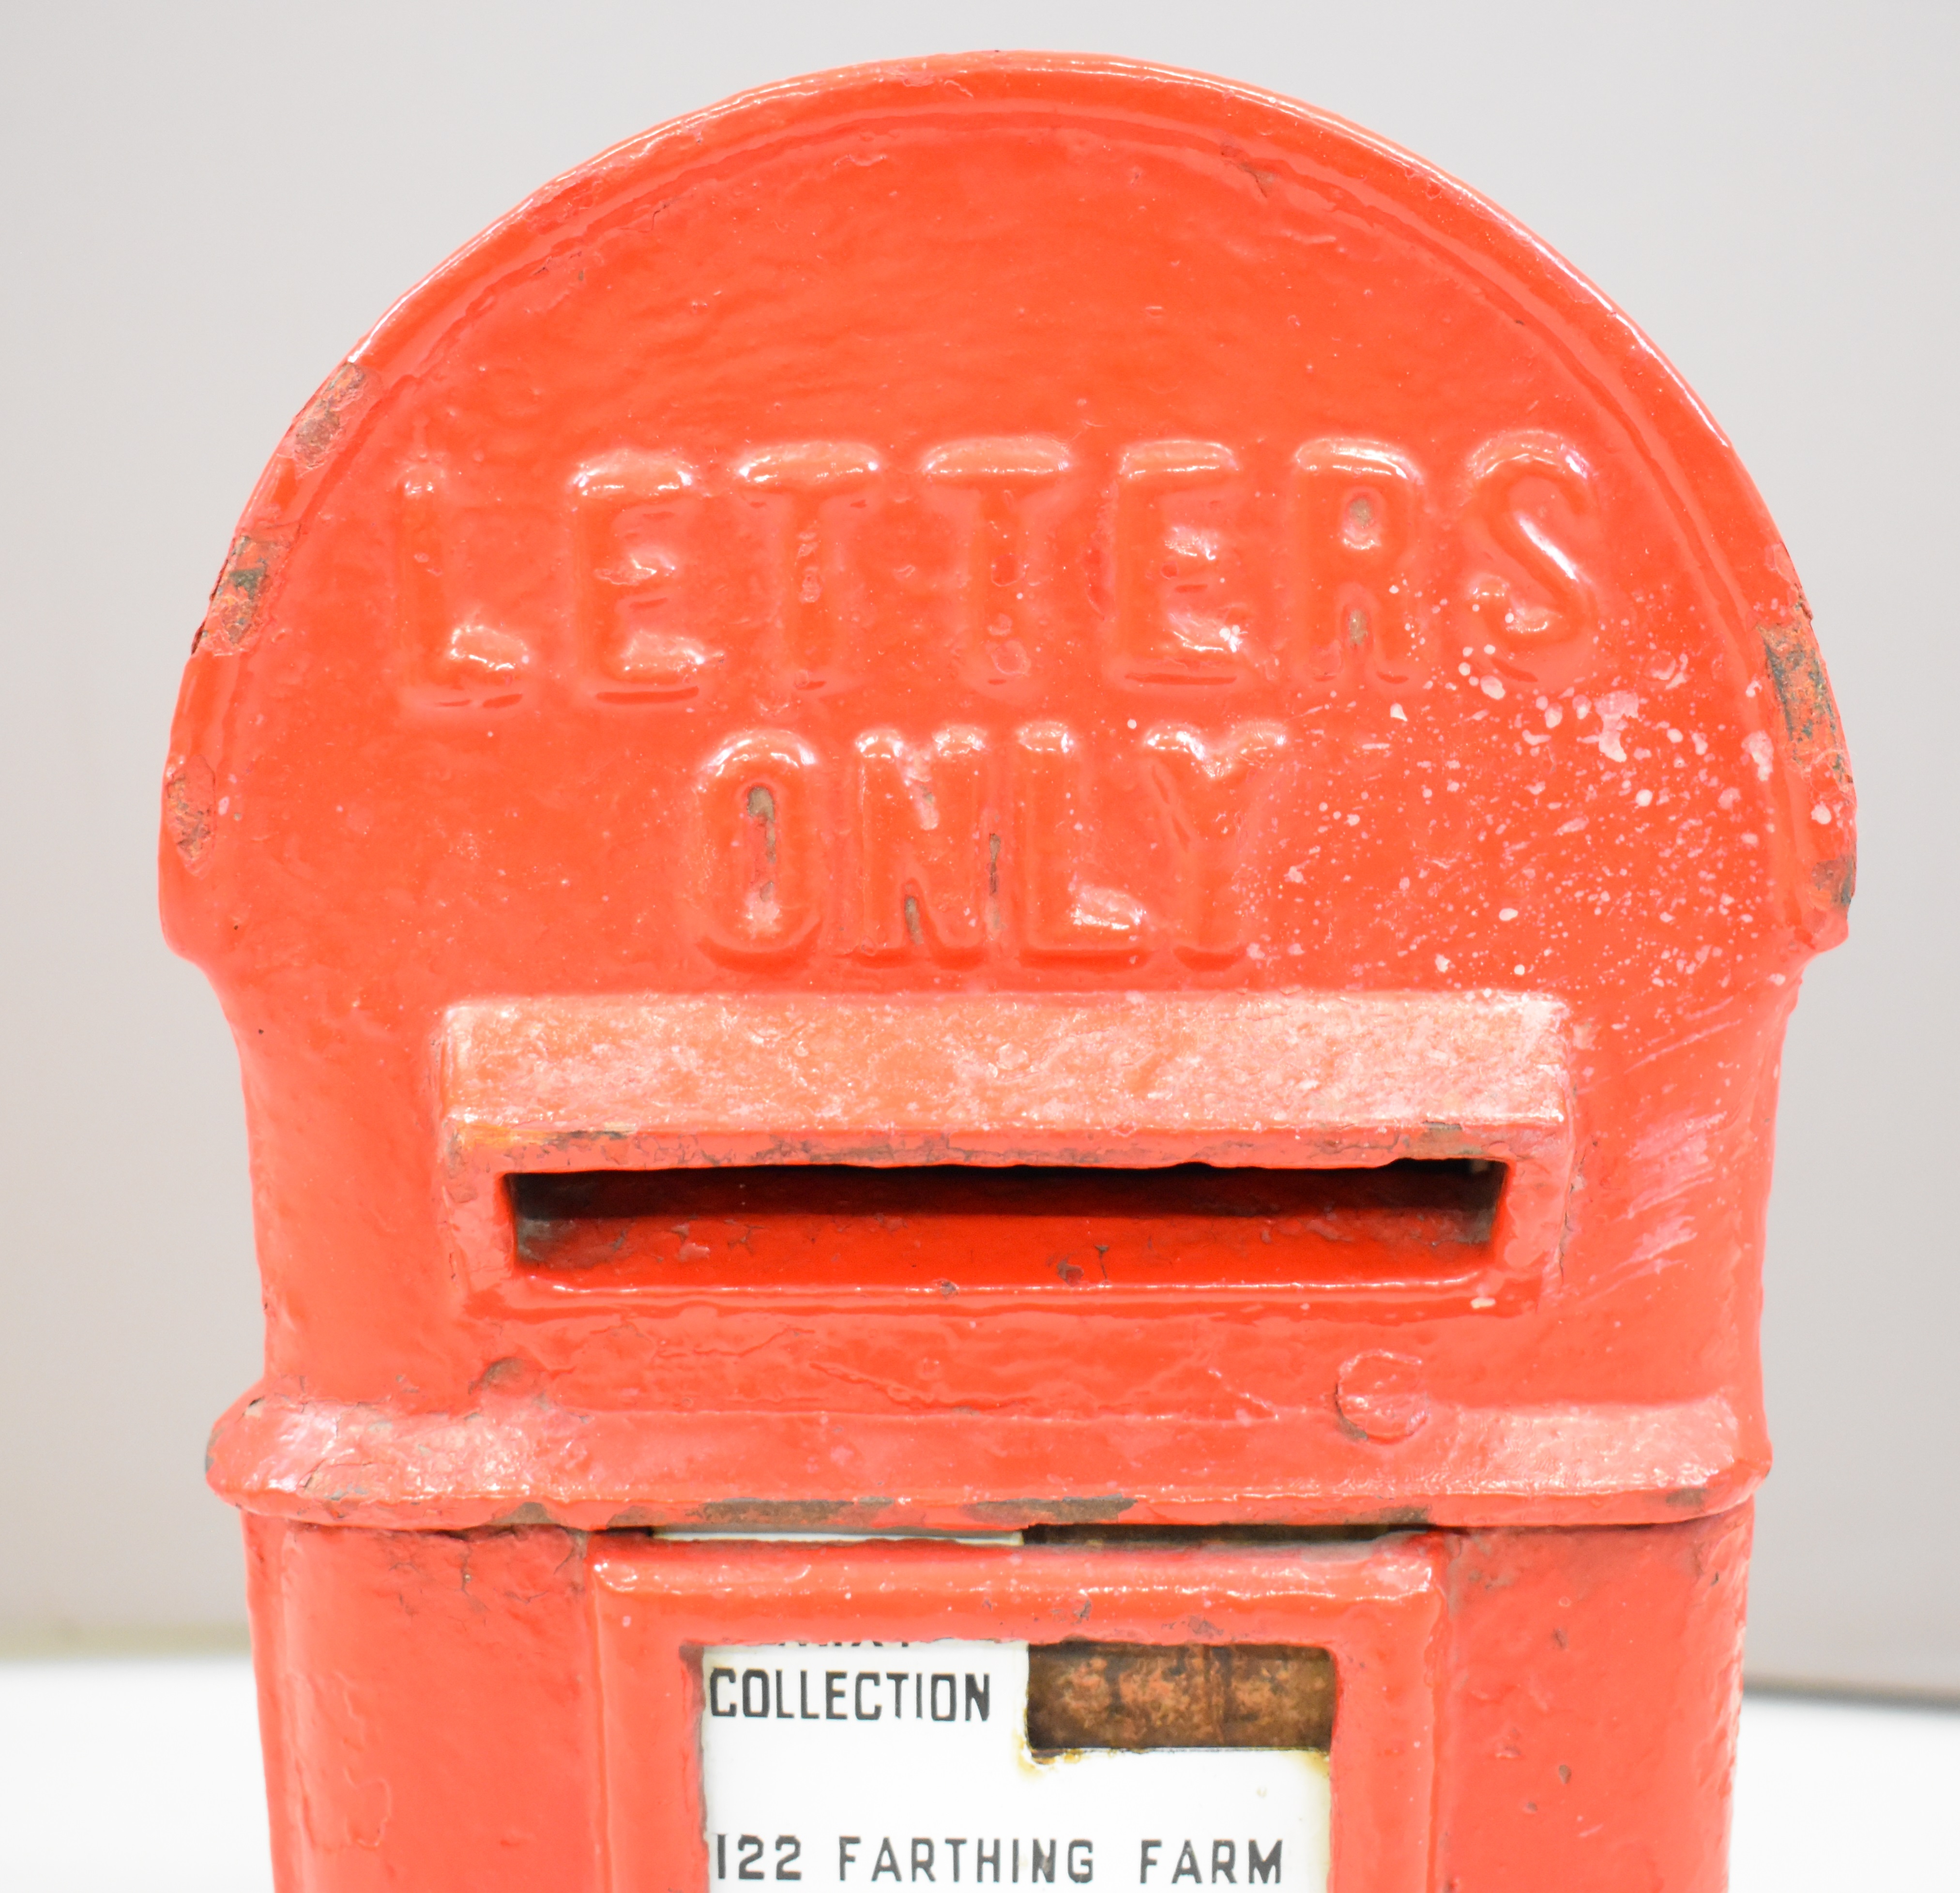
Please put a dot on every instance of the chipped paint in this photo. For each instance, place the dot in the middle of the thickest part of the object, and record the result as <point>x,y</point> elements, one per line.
<point>238,600</point>
<point>190,793</point>
<point>321,420</point>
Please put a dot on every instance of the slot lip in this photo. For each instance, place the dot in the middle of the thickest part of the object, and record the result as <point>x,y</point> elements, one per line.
<point>1276,1080</point>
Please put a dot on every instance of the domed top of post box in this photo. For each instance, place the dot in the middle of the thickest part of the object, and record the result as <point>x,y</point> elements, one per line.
<point>1004,529</point>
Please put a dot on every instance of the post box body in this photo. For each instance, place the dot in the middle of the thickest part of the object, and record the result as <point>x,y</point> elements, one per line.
<point>796,736</point>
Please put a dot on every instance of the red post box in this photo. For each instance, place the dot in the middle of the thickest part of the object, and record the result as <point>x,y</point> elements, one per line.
<point>1008,853</point>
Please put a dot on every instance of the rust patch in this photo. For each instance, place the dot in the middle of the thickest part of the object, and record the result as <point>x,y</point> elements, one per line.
<point>530,1513</point>
<point>321,419</point>
<point>1835,881</point>
<point>1178,1696</point>
<point>1687,1498</point>
<point>635,1518</point>
<point>190,793</point>
<point>1815,747</point>
<point>1802,689</point>
<point>774,1514</point>
<point>240,595</point>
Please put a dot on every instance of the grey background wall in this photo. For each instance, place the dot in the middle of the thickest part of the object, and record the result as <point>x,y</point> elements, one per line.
<point>205,206</point>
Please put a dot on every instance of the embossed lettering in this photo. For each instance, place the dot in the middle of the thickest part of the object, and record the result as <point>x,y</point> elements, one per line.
<point>813,560</point>
<point>1177,620</point>
<point>1356,507</point>
<point>449,648</point>
<point>1063,916</point>
<point>759,859</point>
<point>996,607</point>
<point>1553,604</point>
<point>810,587</point>
<point>632,640</point>
<point>1208,790</point>
<point>927,848</point>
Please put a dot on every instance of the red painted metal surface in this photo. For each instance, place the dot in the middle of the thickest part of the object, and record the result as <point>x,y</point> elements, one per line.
<point>1015,611</point>
<point>1538,1709</point>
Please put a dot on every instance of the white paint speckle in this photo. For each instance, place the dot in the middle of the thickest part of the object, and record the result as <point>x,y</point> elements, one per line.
<point>1757,747</point>
<point>1507,913</point>
<point>1613,709</point>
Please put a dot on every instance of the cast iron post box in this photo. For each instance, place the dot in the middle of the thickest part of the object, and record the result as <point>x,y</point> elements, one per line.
<point>1008,853</point>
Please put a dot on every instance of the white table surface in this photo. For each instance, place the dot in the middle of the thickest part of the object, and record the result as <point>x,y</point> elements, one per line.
<point>141,1775</point>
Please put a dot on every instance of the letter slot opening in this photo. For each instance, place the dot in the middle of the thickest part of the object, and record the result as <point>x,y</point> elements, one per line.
<point>952,1228</point>
<point>1178,1696</point>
